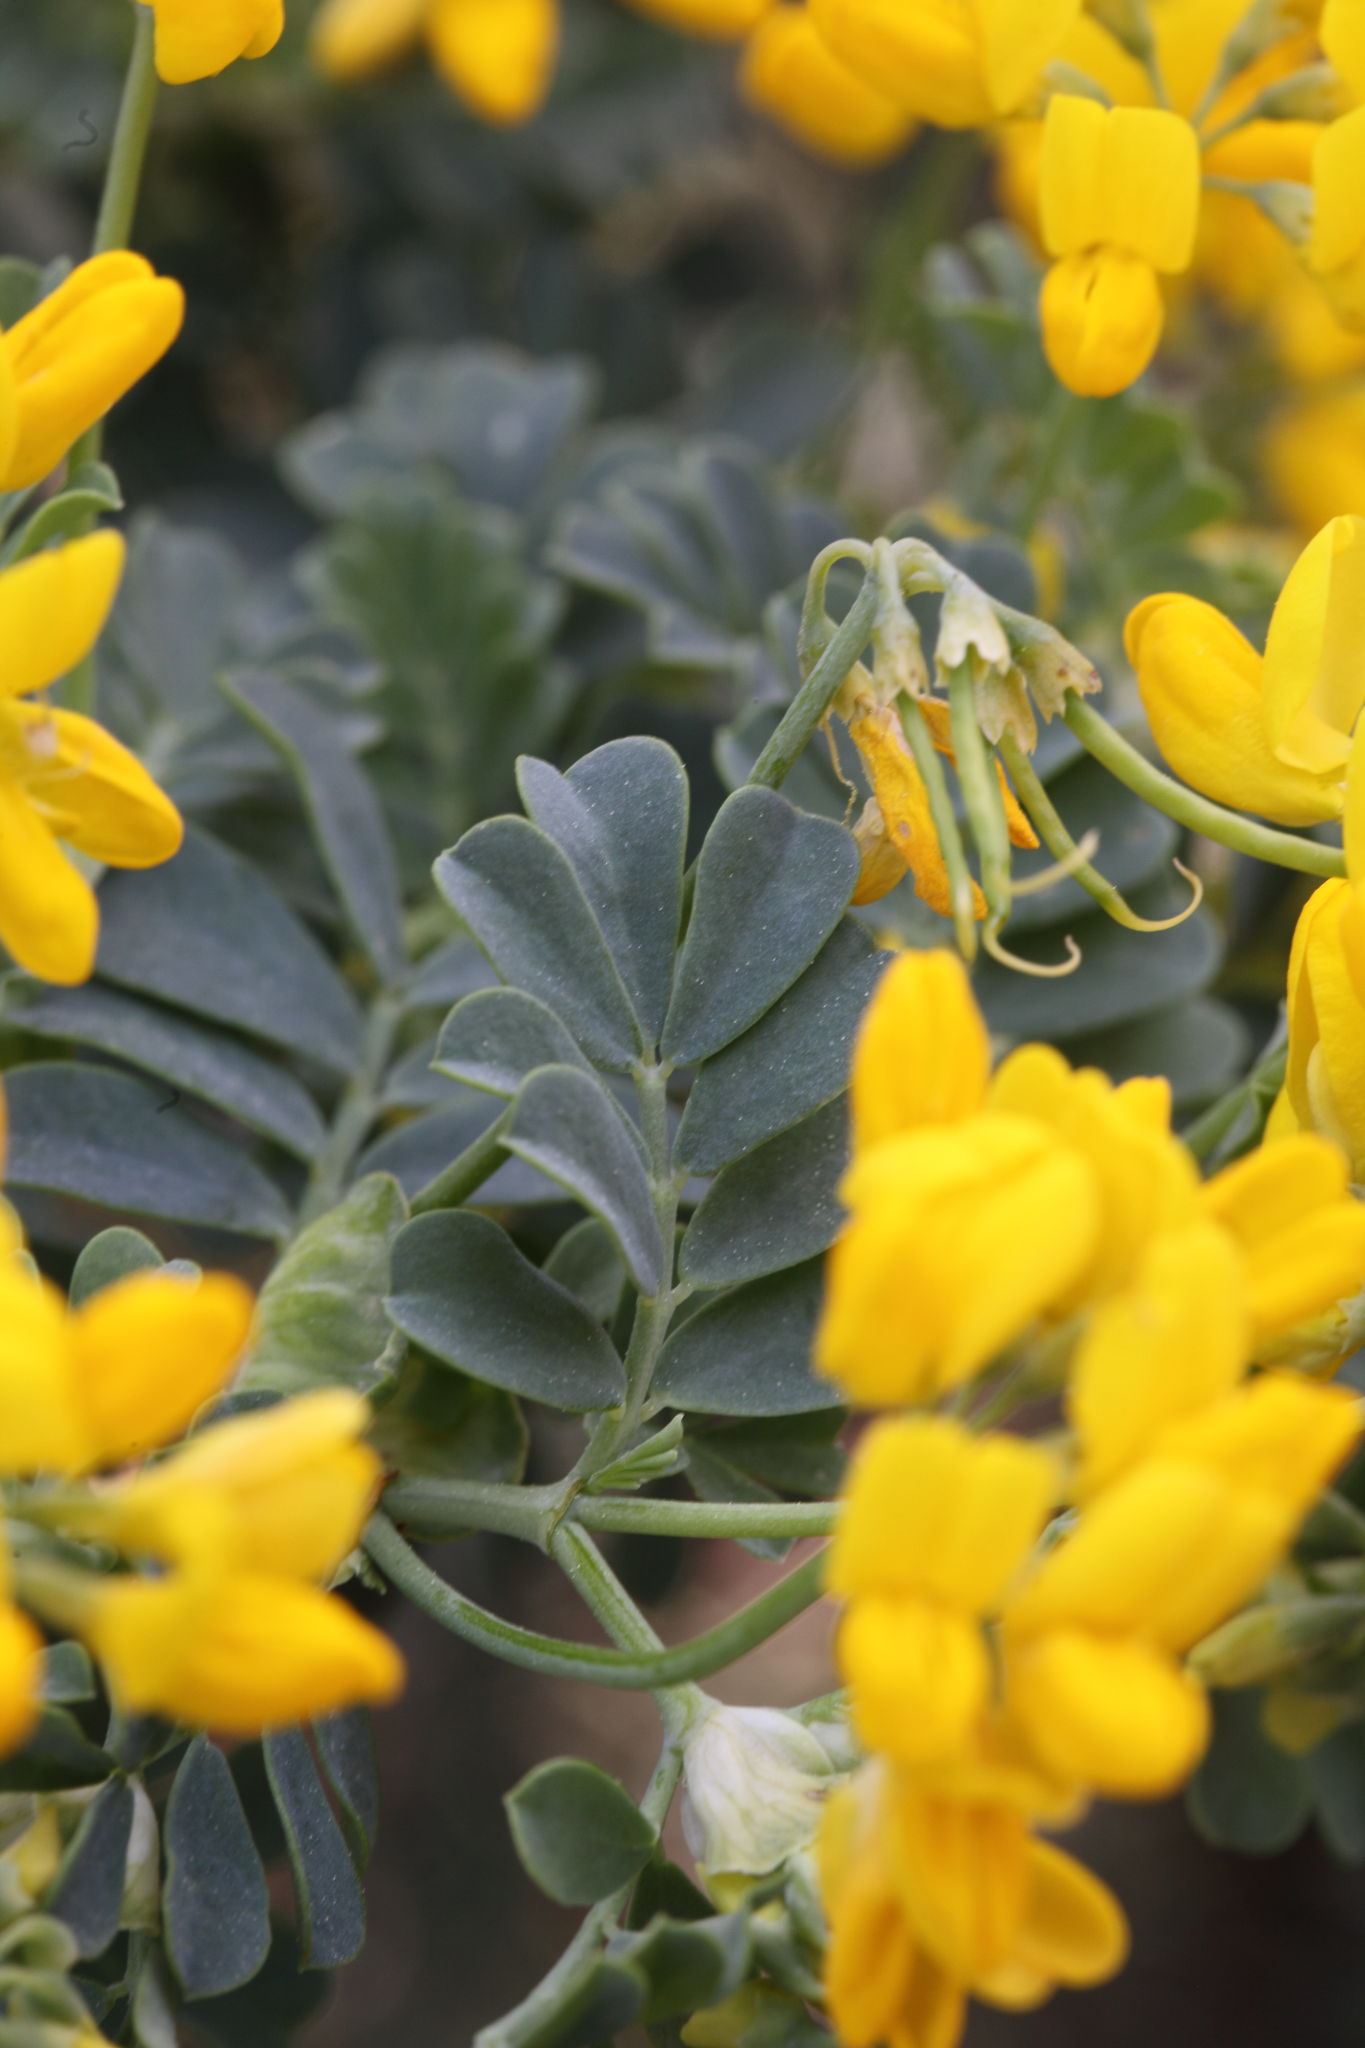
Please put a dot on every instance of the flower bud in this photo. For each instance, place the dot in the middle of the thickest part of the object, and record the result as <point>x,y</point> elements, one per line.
<point>756,1781</point>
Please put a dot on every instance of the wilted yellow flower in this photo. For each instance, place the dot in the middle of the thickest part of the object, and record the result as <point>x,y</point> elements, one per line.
<point>1119,207</point>
<point>197,40</point>
<point>960,63</point>
<point>936,1527</point>
<point>790,72</point>
<point>62,777</point>
<point>1271,734</point>
<point>1093,1677</point>
<point>115,1378</point>
<point>75,354</point>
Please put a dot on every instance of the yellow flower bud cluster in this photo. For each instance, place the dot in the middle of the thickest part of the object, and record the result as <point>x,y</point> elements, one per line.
<point>1018,1614</point>
<point>243,1525</point>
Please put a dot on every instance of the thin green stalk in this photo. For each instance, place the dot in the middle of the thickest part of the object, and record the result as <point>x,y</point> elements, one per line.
<point>1248,1103</point>
<point>355,1113</point>
<point>598,1587</point>
<point>113,226</point>
<point>467,1174</point>
<point>697,1518</point>
<point>556,1657</point>
<point>812,701</point>
<point>945,826</point>
<point>451,1507</point>
<point>1199,813</point>
<point>980,794</point>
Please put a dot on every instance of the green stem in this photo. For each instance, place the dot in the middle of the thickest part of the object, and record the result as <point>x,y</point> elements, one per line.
<point>555,1657</point>
<point>467,1174</point>
<point>945,826</point>
<point>1199,813</point>
<point>355,1113</point>
<point>812,701</point>
<point>451,1507</point>
<point>598,1587</point>
<point>1249,1100</point>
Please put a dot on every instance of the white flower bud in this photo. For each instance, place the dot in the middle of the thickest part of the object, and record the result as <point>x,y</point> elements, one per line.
<point>755,1782</point>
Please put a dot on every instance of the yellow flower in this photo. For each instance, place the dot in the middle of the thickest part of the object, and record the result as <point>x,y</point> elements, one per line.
<point>1335,252</point>
<point>75,354</point>
<point>791,73</point>
<point>498,56</point>
<point>1271,734</point>
<point>197,38</point>
<point>960,63</point>
<point>1289,1208</point>
<point>233,1636</point>
<point>1093,1677</point>
<point>116,1377</point>
<point>930,1898</point>
<point>287,1490</point>
<point>1341,32</point>
<point>240,1653</point>
<point>959,1239</point>
<point>725,20</point>
<point>1120,205</point>
<point>1325,1080</point>
<point>936,1527</point>
<point>62,778</point>
<point>21,1649</point>
<point>923,1055</point>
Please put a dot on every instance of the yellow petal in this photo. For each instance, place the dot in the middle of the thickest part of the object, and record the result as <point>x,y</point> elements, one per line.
<point>920,1677</point>
<point>935,1512</point>
<point>1102,318</point>
<point>194,41</point>
<point>99,797</point>
<point>21,1671</point>
<point>962,1870</point>
<point>790,72</point>
<point>1178,1337</point>
<point>1342,35</point>
<point>924,53</point>
<point>41,1428</point>
<point>1018,42</point>
<point>1354,815</point>
<point>725,20</point>
<point>1117,1713</point>
<point>1073,1931</point>
<point>1201,687</point>
<point>1280,1435</point>
<point>1314,673</point>
<point>48,919</point>
<point>254,1653</point>
<point>9,410</point>
<point>53,608</point>
<point>498,55</point>
<point>149,1351</point>
<point>1123,178</point>
<point>351,39</point>
<point>1302,1234</point>
<point>1338,233</point>
<point>923,1055</point>
<point>960,1239</point>
<point>72,370</point>
<point>298,1484</point>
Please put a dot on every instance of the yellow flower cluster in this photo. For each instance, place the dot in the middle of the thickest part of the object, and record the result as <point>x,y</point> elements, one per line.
<point>1042,1226</point>
<point>243,1524</point>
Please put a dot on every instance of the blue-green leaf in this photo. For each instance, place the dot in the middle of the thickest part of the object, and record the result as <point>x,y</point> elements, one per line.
<point>748,1352</point>
<point>565,1124</point>
<point>217,1911</point>
<point>578,1832</point>
<point>775,1207</point>
<point>330,1900</point>
<point>463,1291</point>
<point>497,1036</point>
<point>87,1892</point>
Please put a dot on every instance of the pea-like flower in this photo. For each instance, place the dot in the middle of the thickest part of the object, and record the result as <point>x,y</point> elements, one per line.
<point>1120,210</point>
<point>959,63</point>
<point>1335,252</point>
<point>63,779</point>
<point>1272,733</point>
<point>791,73</point>
<point>75,354</point>
<point>198,38</point>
